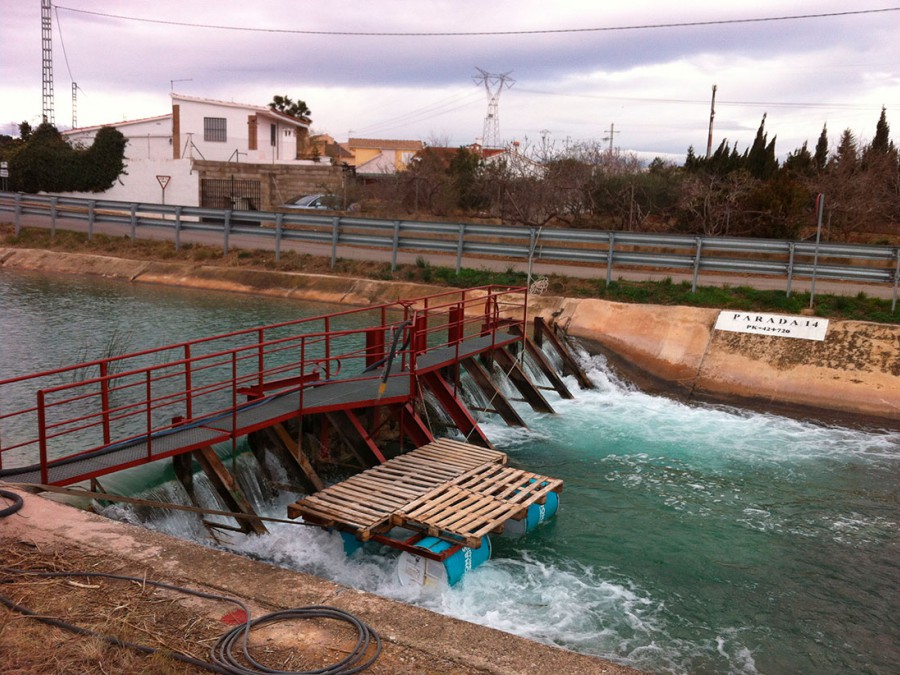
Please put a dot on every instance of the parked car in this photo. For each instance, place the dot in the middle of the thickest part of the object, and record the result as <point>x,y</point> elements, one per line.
<point>311,202</point>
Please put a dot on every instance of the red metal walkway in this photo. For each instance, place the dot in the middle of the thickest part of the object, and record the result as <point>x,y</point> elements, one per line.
<point>86,420</point>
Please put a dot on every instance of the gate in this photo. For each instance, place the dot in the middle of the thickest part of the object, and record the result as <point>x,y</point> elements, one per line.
<point>230,193</point>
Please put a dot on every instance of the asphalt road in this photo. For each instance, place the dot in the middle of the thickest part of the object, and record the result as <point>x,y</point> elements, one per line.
<point>237,240</point>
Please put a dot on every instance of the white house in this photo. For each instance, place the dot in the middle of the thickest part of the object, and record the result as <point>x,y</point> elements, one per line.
<point>235,132</point>
<point>202,141</point>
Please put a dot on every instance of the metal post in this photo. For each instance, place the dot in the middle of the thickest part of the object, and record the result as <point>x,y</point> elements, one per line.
<point>896,281</point>
<point>395,246</point>
<point>532,242</point>
<point>53,201</point>
<point>609,258</point>
<point>91,205</point>
<point>459,246</point>
<point>133,211</point>
<point>790,269</point>
<point>188,383</point>
<point>335,234</point>
<point>104,401</point>
<point>279,221</point>
<point>177,228</point>
<point>42,436</point>
<point>820,208</point>
<point>18,212</point>
<point>227,227</point>
<point>697,264</point>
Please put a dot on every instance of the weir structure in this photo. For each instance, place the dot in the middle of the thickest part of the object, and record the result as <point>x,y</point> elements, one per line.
<point>342,389</point>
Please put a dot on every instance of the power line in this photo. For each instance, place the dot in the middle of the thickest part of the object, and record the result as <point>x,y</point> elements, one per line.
<point>546,31</point>
<point>639,99</point>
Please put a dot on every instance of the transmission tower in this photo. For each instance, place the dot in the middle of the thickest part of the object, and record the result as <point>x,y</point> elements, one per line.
<point>493,85</point>
<point>74,105</point>
<point>47,62</point>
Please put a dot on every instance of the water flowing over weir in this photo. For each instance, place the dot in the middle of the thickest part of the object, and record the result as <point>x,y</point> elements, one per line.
<point>690,538</point>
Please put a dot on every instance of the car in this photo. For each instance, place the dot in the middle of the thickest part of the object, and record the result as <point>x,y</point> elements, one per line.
<point>311,202</point>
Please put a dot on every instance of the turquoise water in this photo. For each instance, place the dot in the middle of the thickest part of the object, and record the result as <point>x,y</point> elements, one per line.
<point>689,539</point>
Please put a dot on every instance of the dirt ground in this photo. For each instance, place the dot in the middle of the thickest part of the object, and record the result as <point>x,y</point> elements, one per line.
<point>158,618</point>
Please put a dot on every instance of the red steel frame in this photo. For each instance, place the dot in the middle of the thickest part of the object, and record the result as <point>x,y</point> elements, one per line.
<point>114,401</point>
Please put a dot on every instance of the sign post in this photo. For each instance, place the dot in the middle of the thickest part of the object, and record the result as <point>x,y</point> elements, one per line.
<point>163,182</point>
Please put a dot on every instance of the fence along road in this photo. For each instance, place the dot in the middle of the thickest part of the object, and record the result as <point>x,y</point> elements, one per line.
<point>771,264</point>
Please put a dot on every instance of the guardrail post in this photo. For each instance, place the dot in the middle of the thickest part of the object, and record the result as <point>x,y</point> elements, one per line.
<point>790,268</point>
<point>177,228</point>
<point>226,226</point>
<point>609,258</point>
<point>896,280</point>
<point>53,202</point>
<point>697,265</point>
<point>459,246</point>
<point>18,212</point>
<point>91,206</point>
<point>279,221</point>
<point>395,246</point>
<point>133,213</point>
<point>335,233</point>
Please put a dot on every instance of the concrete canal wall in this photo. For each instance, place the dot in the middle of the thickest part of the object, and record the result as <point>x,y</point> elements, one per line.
<point>854,373</point>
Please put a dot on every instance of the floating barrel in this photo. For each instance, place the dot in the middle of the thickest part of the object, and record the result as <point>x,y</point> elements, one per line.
<point>351,543</point>
<point>534,516</point>
<point>418,570</point>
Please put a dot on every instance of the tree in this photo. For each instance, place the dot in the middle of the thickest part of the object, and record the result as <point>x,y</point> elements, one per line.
<point>800,162</point>
<point>821,156</point>
<point>882,141</point>
<point>25,130</point>
<point>286,105</point>
<point>47,163</point>
<point>760,158</point>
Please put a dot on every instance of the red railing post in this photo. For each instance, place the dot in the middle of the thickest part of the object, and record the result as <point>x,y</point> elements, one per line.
<point>149,416</point>
<point>261,358</point>
<point>327,348</point>
<point>104,400</point>
<point>234,399</point>
<point>188,383</point>
<point>42,437</point>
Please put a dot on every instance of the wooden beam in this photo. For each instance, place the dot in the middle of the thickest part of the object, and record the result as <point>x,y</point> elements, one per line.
<point>484,382</point>
<point>298,455</point>
<point>228,489</point>
<point>540,358</point>
<point>570,365</point>
<point>456,409</point>
<point>520,380</point>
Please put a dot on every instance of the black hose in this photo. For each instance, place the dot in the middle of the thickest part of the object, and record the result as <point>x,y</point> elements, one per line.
<point>223,653</point>
<point>12,508</point>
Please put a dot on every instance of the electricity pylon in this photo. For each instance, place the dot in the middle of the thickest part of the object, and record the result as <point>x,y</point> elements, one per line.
<point>493,86</point>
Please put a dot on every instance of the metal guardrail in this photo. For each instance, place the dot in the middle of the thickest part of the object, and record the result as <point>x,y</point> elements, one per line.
<point>767,257</point>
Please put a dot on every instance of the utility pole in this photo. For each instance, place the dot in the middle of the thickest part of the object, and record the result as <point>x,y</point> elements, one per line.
<point>712,114</point>
<point>74,105</point>
<point>47,62</point>
<point>612,133</point>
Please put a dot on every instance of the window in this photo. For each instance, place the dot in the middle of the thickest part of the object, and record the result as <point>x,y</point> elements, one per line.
<point>214,129</point>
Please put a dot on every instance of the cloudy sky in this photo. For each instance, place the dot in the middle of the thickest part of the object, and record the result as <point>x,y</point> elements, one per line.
<point>405,69</point>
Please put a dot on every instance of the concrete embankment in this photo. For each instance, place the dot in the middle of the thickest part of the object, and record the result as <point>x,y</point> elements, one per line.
<point>853,374</point>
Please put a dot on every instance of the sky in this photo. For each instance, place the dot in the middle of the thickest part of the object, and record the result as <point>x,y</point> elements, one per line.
<point>640,72</point>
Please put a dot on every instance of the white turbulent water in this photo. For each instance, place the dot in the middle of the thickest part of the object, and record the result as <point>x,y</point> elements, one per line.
<point>698,463</point>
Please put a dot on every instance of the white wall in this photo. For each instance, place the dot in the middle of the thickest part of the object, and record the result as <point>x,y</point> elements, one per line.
<point>140,183</point>
<point>147,139</point>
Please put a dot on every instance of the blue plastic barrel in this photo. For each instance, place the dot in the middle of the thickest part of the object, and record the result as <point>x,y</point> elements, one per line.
<point>534,516</point>
<point>418,570</point>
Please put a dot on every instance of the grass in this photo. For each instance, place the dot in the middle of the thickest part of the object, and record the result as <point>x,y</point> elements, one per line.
<point>860,307</point>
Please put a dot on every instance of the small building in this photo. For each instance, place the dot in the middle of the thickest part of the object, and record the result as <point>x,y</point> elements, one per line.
<point>382,156</point>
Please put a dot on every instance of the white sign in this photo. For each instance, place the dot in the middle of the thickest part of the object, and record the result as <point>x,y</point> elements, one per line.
<point>4,170</point>
<point>163,181</point>
<point>780,325</point>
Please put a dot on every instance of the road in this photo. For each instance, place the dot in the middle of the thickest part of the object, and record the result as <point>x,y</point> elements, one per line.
<point>215,239</point>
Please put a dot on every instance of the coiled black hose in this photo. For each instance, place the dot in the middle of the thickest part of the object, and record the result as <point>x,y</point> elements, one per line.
<point>14,506</point>
<point>223,657</point>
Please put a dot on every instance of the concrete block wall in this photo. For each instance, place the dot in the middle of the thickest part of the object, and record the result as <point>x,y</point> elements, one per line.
<point>278,182</point>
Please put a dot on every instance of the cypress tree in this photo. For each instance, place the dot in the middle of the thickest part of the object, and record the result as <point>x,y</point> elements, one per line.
<point>882,140</point>
<point>821,157</point>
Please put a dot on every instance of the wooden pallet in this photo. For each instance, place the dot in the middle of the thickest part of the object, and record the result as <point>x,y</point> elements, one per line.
<point>476,503</point>
<point>365,503</point>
